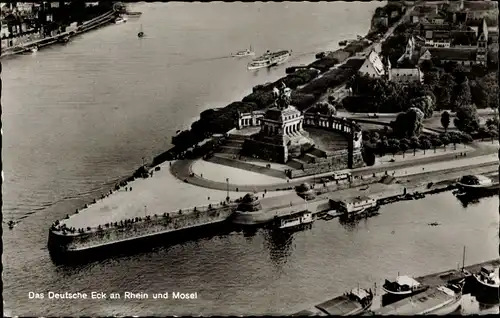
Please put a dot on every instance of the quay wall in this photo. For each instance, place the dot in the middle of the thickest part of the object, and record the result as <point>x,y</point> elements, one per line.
<point>122,232</point>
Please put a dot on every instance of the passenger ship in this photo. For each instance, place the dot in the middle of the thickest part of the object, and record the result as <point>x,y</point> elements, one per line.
<point>269,59</point>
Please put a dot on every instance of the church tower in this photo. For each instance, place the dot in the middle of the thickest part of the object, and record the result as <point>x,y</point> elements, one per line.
<point>482,44</point>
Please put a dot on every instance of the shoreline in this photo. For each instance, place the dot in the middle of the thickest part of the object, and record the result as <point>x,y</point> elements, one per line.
<point>99,21</point>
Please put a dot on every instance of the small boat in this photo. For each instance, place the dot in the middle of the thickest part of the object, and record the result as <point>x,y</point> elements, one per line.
<point>34,49</point>
<point>140,34</point>
<point>134,14</point>
<point>434,224</point>
<point>488,277</point>
<point>352,303</point>
<point>343,43</point>
<point>403,285</point>
<point>120,20</point>
<point>64,39</point>
<point>247,52</point>
<point>11,224</point>
<point>439,300</point>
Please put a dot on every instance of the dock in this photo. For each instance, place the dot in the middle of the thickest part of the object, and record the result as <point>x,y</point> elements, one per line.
<point>441,278</point>
<point>432,280</point>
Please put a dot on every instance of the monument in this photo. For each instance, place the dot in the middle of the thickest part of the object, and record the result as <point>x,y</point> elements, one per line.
<point>281,135</point>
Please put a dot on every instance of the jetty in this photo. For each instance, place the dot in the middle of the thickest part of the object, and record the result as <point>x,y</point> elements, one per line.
<point>137,208</point>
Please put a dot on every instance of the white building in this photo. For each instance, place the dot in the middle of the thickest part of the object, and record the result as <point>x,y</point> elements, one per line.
<point>373,66</point>
<point>437,40</point>
<point>406,75</point>
<point>356,204</point>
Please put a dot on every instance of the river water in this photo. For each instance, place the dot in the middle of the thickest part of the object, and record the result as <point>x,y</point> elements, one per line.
<point>78,117</point>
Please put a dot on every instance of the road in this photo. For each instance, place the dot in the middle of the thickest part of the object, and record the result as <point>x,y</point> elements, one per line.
<point>182,170</point>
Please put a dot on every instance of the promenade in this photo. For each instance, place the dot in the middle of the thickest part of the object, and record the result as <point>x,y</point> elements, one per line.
<point>182,169</point>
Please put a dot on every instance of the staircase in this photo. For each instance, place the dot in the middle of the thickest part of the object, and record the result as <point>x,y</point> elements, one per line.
<point>233,145</point>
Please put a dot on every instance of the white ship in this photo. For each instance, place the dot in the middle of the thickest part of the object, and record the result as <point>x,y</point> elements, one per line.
<point>269,59</point>
<point>247,52</point>
<point>295,220</point>
<point>440,300</point>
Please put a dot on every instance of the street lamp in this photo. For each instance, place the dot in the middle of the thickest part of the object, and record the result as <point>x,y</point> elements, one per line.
<point>145,211</point>
<point>143,161</point>
<point>227,182</point>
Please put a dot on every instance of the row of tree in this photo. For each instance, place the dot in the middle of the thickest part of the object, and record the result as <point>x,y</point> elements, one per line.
<point>376,144</point>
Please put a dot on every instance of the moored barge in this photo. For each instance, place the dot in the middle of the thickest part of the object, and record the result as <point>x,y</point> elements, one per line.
<point>351,303</point>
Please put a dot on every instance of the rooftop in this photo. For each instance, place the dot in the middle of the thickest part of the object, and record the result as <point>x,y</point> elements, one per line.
<point>406,280</point>
<point>358,199</point>
<point>454,54</point>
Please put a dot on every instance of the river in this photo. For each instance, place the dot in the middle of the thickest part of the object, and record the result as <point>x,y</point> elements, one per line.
<point>78,117</point>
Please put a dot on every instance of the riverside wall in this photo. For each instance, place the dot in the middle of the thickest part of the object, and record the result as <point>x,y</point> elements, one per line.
<point>65,241</point>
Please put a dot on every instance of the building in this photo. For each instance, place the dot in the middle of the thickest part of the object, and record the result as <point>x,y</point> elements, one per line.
<point>373,66</point>
<point>409,51</point>
<point>464,56</point>
<point>356,204</point>
<point>406,75</point>
<point>438,39</point>
<point>482,44</point>
<point>282,135</point>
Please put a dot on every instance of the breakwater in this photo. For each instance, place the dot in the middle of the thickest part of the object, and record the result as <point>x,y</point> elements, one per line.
<point>63,239</point>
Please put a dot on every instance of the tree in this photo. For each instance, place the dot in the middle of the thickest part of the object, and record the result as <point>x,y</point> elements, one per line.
<point>393,146</point>
<point>461,95</point>
<point>454,138</point>
<point>483,132</point>
<point>445,90</point>
<point>445,120</point>
<point>426,66</point>
<point>445,140</point>
<point>459,73</point>
<point>368,153</point>
<point>431,78</point>
<point>404,145</point>
<point>414,144</point>
<point>425,144</point>
<point>467,119</point>
<point>493,122</point>
<point>408,124</point>
<point>493,134</point>
<point>436,142</point>
<point>425,104</point>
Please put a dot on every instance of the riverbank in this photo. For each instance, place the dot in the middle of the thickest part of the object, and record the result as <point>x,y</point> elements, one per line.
<point>99,21</point>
